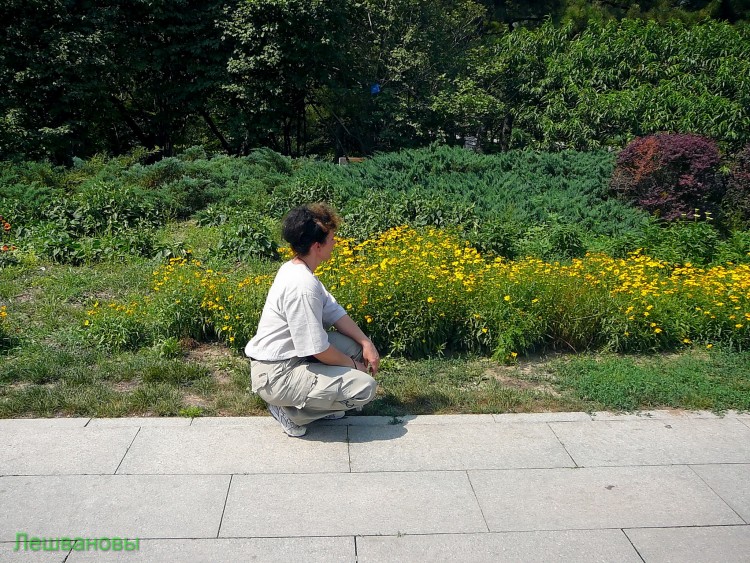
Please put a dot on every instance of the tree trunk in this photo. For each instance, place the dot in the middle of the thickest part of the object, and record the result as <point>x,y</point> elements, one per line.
<point>215,130</point>
<point>506,132</point>
<point>144,140</point>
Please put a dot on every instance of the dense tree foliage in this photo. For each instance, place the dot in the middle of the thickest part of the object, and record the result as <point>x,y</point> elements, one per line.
<point>352,77</point>
<point>555,88</point>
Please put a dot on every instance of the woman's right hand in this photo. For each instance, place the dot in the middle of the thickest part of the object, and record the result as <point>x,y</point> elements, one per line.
<point>360,366</point>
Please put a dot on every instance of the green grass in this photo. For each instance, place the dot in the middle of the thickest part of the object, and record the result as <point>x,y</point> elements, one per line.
<point>717,381</point>
<point>52,371</point>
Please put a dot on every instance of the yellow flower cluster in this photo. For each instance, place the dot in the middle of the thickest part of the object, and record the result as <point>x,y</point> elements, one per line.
<point>190,300</point>
<point>420,291</point>
<point>424,286</point>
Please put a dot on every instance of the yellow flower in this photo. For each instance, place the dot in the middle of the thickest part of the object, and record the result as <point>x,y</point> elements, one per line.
<point>506,298</point>
<point>657,330</point>
<point>738,325</point>
<point>484,329</point>
<point>430,299</point>
<point>709,346</point>
<point>368,318</point>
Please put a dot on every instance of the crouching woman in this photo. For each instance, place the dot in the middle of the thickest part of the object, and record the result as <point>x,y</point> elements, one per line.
<point>302,371</point>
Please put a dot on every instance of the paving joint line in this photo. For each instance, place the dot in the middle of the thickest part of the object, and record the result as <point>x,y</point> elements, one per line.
<point>402,534</point>
<point>627,537</point>
<point>476,498</point>
<point>559,441</point>
<point>348,449</point>
<point>717,494</point>
<point>127,450</point>
<point>224,508</point>
<point>382,471</point>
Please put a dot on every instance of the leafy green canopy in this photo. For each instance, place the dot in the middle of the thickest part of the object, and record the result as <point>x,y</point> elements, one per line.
<point>555,88</point>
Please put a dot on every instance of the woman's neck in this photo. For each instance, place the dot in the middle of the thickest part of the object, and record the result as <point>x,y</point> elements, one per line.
<point>308,261</point>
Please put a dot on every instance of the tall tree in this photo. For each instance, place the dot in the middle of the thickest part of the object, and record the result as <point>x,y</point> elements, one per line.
<point>91,76</point>
<point>400,54</point>
<point>284,51</point>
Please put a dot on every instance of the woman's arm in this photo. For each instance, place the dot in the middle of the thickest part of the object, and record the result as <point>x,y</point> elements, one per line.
<point>345,325</point>
<point>335,357</point>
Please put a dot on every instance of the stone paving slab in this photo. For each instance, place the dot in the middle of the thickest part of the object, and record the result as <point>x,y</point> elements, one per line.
<point>8,555</point>
<point>409,420</point>
<point>655,442</point>
<point>234,421</point>
<point>351,504</point>
<point>581,546</point>
<point>541,417</point>
<point>235,449</point>
<point>718,544</point>
<point>455,447</point>
<point>39,450</point>
<point>597,498</point>
<point>430,419</point>
<point>112,505</point>
<point>730,482</point>
<point>14,424</point>
<point>656,414</point>
<point>139,421</point>
<point>258,550</point>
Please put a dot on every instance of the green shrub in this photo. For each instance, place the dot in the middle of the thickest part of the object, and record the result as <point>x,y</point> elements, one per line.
<point>496,237</point>
<point>686,240</point>
<point>243,242</point>
<point>119,326</point>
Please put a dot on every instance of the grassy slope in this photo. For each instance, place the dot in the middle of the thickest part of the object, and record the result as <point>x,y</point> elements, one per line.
<point>51,373</point>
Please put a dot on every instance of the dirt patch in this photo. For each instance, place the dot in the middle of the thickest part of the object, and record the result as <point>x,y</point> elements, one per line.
<point>205,353</point>
<point>28,295</point>
<point>532,373</point>
<point>125,386</point>
<point>218,359</point>
<point>193,400</point>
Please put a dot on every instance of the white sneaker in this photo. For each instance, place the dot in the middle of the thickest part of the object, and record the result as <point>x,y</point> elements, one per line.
<point>335,415</point>
<point>289,427</point>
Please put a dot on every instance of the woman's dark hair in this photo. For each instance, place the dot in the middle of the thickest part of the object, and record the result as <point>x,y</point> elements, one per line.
<point>305,225</point>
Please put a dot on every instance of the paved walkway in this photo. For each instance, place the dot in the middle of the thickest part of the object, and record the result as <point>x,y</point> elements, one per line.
<point>521,487</point>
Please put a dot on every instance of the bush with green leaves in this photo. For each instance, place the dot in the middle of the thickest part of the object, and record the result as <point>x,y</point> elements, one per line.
<point>443,186</point>
<point>560,87</point>
<point>693,240</point>
<point>247,241</point>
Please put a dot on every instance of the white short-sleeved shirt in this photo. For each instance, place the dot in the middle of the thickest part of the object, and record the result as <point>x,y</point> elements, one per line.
<point>297,312</point>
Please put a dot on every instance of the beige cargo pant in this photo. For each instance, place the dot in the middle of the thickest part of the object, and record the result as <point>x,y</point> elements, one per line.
<point>308,390</point>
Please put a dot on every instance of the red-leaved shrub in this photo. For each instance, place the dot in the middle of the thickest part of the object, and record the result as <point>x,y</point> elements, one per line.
<point>736,203</point>
<point>670,174</point>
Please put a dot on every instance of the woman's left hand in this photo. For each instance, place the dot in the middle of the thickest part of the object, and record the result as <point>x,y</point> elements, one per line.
<point>371,356</point>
